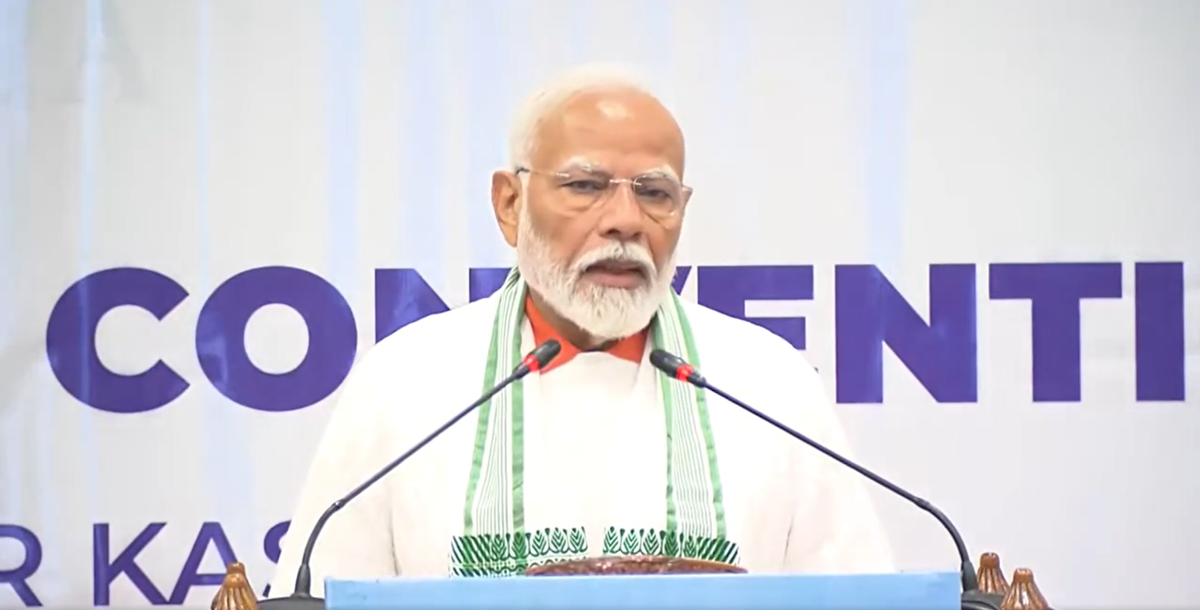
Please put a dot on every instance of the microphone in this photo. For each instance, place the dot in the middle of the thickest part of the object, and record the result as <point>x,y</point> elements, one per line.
<point>972,597</point>
<point>302,598</point>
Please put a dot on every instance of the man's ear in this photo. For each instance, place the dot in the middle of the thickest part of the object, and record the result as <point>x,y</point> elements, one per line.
<point>506,196</point>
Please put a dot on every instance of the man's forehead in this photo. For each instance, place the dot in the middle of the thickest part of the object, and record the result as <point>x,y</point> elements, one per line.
<point>619,132</point>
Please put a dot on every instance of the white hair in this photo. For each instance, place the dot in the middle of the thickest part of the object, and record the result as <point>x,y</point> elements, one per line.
<point>523,137</point>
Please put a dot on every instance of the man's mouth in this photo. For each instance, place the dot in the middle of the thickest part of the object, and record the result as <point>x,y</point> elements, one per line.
<point>617,274</point>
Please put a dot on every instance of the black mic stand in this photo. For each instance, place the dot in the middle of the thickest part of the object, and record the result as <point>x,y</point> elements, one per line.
<point>302,598</point>
<point>972,597</point>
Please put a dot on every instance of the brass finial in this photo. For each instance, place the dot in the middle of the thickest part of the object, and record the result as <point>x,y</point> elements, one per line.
<point>990,576</point>
<point>235,592</point>
<point>1023,594</point>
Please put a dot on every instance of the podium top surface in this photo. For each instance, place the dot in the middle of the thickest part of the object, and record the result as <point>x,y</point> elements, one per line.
<point>906,590</point>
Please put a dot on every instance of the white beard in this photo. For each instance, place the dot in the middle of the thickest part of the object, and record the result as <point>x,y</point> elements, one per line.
<point>606,313</point>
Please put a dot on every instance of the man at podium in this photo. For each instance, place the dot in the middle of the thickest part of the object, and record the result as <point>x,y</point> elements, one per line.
<point>598,453</point>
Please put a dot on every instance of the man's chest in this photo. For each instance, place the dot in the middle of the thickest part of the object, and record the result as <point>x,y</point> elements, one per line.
<point>590,485</point>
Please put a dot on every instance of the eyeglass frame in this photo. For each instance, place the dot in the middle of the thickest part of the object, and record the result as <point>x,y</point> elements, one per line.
<point>685,191</point>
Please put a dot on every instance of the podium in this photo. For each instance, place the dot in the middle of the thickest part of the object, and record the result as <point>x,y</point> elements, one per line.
<point>913,591</point>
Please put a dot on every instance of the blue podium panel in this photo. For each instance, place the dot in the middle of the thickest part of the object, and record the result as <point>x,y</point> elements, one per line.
<point>915,591</point>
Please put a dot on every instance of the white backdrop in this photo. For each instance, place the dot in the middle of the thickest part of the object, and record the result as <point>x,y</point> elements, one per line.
<point>945,143</point>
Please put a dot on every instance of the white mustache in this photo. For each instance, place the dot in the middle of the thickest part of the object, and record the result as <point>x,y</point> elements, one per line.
<point>617,252</point>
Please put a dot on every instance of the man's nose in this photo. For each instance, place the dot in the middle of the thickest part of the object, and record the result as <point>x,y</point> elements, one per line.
<point>621,214</point>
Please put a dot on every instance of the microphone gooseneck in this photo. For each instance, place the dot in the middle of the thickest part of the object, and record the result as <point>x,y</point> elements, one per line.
<point>302,598</point>
<point>972,598</point>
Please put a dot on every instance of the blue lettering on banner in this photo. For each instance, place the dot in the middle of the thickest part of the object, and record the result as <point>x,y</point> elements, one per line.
<point>18,577</point>
<point>110,564</point>
<point>1158,296</point>
<point>939,350</point>
<point>71,337</point>
<point>106,570</point>
<point>726,289</point>
<point>871,313</point>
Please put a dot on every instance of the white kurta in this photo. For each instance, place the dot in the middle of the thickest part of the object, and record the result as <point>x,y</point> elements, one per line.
<point>594,456</point>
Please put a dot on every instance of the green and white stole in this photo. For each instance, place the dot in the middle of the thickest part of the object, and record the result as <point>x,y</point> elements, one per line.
<point>494,539</point>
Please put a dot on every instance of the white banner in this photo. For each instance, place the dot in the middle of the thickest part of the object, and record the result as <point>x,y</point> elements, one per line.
<point>978,220</point>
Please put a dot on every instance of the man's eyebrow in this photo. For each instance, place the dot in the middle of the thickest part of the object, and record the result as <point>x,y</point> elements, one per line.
<point>582,164</point>
<point>665,171</point>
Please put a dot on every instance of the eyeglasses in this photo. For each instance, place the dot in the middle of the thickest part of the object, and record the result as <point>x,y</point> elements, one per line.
<point>660,196</point>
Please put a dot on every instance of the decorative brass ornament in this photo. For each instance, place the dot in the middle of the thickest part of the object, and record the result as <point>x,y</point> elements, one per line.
<point>991,577</point>
<point>235,592</point>
<point>1023,594</point>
